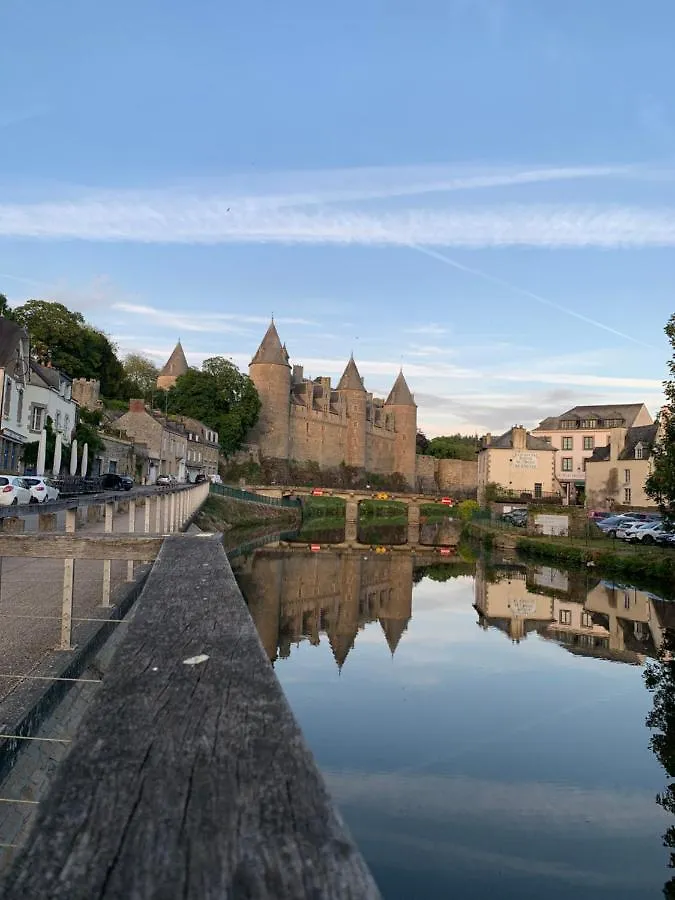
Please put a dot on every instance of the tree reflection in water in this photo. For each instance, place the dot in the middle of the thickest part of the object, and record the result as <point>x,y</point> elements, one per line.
<point>660,680</point>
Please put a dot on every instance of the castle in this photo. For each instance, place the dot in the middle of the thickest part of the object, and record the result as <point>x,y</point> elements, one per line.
<point>304,420</point>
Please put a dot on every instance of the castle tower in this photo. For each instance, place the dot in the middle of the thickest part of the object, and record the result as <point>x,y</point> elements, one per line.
<point>400,401</point>
<point>177,365</point>
<point>271,374</point>
<point>354,393</point>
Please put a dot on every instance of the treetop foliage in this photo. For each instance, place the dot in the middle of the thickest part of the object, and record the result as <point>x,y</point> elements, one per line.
<point>660,484</point>
<point>451,446</point>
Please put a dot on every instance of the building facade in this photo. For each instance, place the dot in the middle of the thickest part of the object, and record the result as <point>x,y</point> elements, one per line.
<point>309,420</point>
<point>166,441</point>
<point>203,448</point>
<point>577,432</point>
<point>519,463</point>
<point>118,455</point>
<point>616,474</point>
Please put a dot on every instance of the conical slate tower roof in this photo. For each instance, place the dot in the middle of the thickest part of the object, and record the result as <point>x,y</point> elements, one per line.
<point>176,364</point>
<point>351,380</point>
<point>400,393</point>
<point>270,350</point>
<point>393,631</point>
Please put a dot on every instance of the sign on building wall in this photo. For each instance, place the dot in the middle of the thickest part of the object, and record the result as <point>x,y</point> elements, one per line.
<point>552,524</point>
<point>524,461</point>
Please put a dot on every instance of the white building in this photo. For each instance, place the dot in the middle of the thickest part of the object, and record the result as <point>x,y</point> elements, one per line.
<point>30,394</point>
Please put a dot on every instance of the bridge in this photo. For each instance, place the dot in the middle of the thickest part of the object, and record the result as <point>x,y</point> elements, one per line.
<point>187,775</point>
<point>353,499</point>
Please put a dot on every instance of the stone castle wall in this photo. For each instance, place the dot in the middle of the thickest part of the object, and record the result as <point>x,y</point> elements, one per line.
<point>87,392</point>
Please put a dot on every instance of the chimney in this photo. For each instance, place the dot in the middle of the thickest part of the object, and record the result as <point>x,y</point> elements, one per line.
<point>487,440</point>
<point>298,374</point>
<point>617,439</point>
<point>137,406</point>
<point>519,437</point>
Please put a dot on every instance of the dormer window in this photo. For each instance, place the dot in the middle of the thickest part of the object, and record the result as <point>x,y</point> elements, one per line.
<point>589,423</point>
<point>568,423</point>
<point>639,451</point>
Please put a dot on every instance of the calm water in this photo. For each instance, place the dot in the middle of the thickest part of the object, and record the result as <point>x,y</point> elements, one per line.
<point>482,731</point>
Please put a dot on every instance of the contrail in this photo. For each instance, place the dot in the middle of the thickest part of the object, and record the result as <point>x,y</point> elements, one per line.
<point>441,257</point>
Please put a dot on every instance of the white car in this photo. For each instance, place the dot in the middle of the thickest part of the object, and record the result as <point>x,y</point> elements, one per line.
<point>632,531</point>
<point>650,532</point>
<point>13,490</point>
<point>41,489</point>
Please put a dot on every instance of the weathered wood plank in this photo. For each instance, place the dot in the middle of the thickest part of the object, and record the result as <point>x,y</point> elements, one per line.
<point>189,781</point>
<point>81,546</point>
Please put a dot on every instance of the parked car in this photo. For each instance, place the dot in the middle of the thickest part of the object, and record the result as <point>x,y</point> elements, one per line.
<point>516,517</point>
<point>113,481</point>
<point>167,480</point>
<point>649,533</point>
<point>596,515</point>
<point>611,525</point>
<point>639,532</point>
<point>666,538</point>
<point>200,479</point>
<point>41,489</point>
<point>13,490</point>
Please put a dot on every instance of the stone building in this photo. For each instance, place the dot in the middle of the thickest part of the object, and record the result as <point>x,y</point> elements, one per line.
<point>303,419</point>
<point>176,366</point>
<point>577,432</point>
<point>520,463</point>
<point>616,474</point>
<point>165,440</point>
<point>87,393</point>
<point>118,455</point>
<point>203,448</point>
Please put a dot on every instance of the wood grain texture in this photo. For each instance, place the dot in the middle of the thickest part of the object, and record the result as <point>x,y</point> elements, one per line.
<point>49,545</point>
<point>189,781</point>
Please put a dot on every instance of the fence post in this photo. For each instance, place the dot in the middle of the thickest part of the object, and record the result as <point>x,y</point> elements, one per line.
<point>107,564</point>
<point>132,529</point>
<point>68,582</point>
<point>158,514</point>
<point>146,516</point>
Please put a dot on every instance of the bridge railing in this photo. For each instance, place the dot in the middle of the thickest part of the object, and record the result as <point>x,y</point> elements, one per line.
<point>189,776</point>
<point>225,490</point>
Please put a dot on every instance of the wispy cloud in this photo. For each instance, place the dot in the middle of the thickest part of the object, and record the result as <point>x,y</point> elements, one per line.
<point>214,221</point>
<point>203,322</point>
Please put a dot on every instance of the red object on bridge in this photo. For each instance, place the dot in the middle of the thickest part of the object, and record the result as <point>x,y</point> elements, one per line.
<point>448,501</point>
<point>445,551</point>
<point>317,492</point>
<point>315,547</point>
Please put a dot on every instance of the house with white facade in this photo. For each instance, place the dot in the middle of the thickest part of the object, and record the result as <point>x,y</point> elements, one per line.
<point>31,393</point>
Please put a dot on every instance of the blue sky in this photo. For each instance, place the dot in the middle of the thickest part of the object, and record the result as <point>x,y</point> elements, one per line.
<point>480,190</point>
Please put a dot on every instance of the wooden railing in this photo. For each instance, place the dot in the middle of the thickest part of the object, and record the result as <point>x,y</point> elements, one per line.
<point>189,776</point>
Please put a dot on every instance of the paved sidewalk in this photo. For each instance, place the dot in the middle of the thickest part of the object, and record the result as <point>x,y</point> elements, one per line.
<point>31,593</point>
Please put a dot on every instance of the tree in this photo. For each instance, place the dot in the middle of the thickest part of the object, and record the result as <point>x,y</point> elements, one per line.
<point>4,307</point>
<point>660,680</point>
<point>141,375</point>
<point>422,442</point>
<point>220,396</point>
<point>660,485</point>
<point>453,446</point>
<point>63,338</point>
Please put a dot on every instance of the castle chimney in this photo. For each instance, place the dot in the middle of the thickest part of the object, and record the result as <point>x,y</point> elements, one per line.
<point>518,437</point>
<point>298,374</point>
<point>617,439</point>
<point>137,406</point>
<point>487,440</point>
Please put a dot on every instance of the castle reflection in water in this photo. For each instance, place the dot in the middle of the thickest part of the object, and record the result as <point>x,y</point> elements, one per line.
<point>296,595</point>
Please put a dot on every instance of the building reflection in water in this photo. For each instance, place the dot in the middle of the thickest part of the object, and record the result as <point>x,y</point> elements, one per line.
<point>587,615</point>
<point>298,595</point>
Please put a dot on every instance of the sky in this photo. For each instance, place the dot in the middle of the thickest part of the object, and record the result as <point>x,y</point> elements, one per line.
<point>479,191</point>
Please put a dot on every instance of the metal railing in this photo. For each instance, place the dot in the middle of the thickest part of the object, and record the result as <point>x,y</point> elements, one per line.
<point>224,490</point>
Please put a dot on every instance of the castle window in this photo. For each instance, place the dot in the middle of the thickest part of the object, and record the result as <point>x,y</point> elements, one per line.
<point>638,451</point>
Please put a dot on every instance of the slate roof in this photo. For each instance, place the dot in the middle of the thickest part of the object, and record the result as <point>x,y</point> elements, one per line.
<point>505,442</point>
<point>270,350</point>
<point>626,411</point>
<point>10,335</point>
<point>641,434</point>
<point>351,380</point>
<point>400,393</point>
<point>176,364</point>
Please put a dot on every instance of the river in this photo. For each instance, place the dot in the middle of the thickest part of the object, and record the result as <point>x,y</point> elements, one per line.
<point>480,724</point>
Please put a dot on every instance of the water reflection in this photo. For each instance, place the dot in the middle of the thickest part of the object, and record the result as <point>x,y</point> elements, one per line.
<point>297,595</point>
<point>481,739</point>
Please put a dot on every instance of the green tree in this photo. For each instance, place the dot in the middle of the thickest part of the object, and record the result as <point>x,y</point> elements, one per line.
<point>220,396</point>
<point>4,307</point>
<point>141,375</point>
<point>660,681</point>
<point>453,446</point>
<point>660,485</point>
<point>65,339</point>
